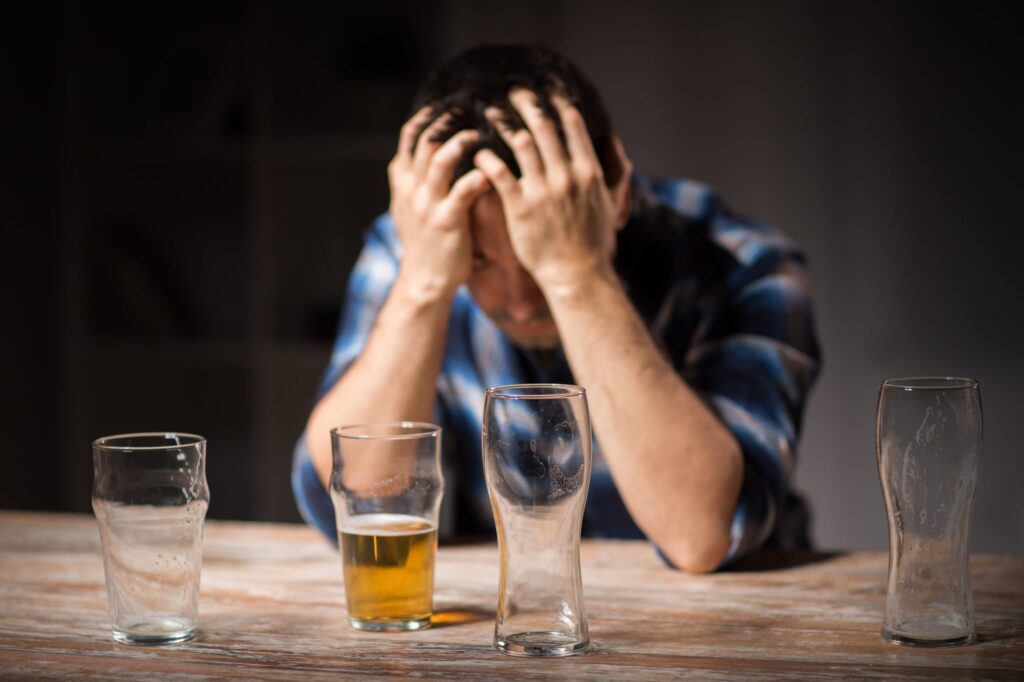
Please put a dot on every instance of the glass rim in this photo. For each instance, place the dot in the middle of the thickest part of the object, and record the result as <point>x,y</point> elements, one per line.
<point>106,442</point>
<point>561,391</point>
<point>929,383</point>
<point>411,430</point>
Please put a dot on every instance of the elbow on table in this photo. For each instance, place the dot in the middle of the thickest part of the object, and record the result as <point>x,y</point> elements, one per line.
<point>698,539</point>
<point>697,556</point>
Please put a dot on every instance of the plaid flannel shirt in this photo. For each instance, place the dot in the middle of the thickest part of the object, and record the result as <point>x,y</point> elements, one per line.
<point>726,299</point>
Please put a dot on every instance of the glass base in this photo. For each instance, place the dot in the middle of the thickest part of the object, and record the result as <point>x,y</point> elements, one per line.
<point>934,638</point>
<point>390,625</point>
<point>540,644</point>
<point>156,632</point>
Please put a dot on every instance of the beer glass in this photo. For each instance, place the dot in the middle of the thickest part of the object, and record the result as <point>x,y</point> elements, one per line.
<point>928,444</point>
<point>536,450</point>
<point>386,485</point>
<point>150,497</point>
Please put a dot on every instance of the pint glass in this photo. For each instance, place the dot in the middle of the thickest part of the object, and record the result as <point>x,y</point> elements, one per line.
<point>386,485</point>
<point>150,497</point>
<point>536,450</point>
<point>928,442</point>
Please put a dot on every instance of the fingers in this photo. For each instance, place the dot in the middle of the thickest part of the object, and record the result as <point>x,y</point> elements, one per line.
<point>466,189</point>
<point>426,145</point>
<point>443,163</point>
<point>500,176</point>
<point>521,144</point>
<point>544,133</point>
<point>407,138</point>
<point>577,138</point>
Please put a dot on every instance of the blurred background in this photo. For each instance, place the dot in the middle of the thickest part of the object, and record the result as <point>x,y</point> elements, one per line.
<point>185,186</point>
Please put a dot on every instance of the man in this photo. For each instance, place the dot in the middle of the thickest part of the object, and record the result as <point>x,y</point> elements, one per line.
<point>520,247</point>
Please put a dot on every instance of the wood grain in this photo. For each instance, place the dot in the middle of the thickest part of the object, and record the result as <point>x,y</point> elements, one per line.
<point>273,607</point>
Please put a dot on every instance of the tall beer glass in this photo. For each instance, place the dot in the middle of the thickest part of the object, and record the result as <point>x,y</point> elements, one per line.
<point>386,485</point>
<point>536,450</point>
<point>928,441</point>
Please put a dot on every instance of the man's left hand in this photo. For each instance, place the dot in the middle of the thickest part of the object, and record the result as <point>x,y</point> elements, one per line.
<point>561,214</point>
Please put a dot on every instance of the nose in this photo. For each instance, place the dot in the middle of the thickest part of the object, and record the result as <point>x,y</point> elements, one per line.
<point>523,298</point>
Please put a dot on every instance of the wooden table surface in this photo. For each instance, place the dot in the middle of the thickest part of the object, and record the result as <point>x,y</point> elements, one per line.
<point>272,606</point>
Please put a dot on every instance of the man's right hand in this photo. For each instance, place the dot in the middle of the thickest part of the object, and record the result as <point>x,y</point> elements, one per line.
<point>432,219</point>
<point>431,215</point>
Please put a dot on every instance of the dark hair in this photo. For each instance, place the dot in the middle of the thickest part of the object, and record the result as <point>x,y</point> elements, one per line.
<point>482,77</point>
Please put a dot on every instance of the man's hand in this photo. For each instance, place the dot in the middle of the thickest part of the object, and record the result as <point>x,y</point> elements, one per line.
<point>431,215</point>
<point>432,219</point>
<point>561,214</point>
<point>677,468</point>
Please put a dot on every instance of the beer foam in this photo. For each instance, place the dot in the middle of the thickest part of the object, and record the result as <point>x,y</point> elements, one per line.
<point>386,524</point>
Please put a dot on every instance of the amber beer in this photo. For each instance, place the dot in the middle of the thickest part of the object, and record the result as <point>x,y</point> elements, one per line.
<point>389,570</point>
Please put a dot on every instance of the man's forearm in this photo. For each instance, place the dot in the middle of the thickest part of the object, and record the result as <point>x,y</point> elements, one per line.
<point>395,377</point>
<point>676,466</point>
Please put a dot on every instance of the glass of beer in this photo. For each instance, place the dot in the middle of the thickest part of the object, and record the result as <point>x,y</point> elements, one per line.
<point>386,485</point>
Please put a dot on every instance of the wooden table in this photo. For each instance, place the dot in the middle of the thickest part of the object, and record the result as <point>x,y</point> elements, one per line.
<point>272,607</point>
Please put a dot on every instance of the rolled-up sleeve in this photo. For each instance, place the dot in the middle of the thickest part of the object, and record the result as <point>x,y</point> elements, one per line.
<point>368,288</point>
<point>755,368</point>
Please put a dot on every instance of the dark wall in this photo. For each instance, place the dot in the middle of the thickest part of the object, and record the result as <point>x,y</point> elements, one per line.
<point>187,188</point>
<point>30,359</point>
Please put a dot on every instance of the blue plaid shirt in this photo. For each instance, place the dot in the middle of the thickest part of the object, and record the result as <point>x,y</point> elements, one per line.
<point>727,299</point>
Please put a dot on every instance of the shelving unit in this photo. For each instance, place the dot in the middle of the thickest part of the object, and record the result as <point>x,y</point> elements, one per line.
<point>219,166</point>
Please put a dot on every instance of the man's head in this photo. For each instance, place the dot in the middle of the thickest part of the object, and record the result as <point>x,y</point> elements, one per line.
<point>461,90</point>
<point>483,76</point>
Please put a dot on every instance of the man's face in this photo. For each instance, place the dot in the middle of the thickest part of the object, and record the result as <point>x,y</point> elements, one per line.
<point>500,285</point>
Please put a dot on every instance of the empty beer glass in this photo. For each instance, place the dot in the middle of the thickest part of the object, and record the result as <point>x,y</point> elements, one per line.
<point>386,485</point>
<point>150,497</point>
<point>536,450</point>
<point>928,444</point>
